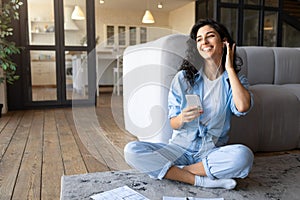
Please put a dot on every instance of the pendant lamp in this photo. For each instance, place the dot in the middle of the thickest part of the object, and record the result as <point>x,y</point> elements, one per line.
<point>148,18</point>
<point>77,13</point>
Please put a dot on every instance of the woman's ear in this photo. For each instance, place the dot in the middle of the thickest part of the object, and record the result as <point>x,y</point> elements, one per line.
<point>224,42</point>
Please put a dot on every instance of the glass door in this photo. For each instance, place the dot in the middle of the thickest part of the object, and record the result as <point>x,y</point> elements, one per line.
<point>42,62</point>
<point>60,52</point>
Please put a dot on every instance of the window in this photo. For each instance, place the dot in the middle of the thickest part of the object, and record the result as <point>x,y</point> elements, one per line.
<point>122,38</point>
<point>271,3</point>
<point>251,27</point>
<point>205,9</point>
<point>110,33</point>
<point>132,35</point>
<point>230,20</point>
<point>230,1</point>
<point>270,29</point>
<point>290,36</point>
<point>250,22</point>
<point>252,2</point>
<point>143,34</point>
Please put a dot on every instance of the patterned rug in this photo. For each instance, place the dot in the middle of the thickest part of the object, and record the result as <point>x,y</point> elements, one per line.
<point>272,177</point>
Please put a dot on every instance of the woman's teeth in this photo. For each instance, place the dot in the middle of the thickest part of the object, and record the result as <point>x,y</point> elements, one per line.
<point>206,49</point>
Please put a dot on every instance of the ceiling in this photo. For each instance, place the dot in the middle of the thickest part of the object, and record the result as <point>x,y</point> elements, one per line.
<point>168,5</point>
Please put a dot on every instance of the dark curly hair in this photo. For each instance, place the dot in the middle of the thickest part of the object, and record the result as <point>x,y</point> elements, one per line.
<point>187,64</point>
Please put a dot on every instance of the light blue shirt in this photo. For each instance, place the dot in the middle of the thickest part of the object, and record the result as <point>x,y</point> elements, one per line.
<point>194,136</point>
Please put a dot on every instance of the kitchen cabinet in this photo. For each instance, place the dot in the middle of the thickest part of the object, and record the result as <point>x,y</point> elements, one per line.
<point>124,35</point>
<point>43,73</point>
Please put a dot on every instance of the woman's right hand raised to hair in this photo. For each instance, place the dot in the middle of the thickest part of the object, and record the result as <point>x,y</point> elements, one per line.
<point>188,114</point>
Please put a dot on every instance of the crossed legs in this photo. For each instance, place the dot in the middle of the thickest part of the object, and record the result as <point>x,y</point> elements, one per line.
<point>214,171</point>
<point>184,175</point>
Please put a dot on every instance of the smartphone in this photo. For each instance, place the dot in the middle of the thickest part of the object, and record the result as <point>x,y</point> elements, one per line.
<point>193,100</point>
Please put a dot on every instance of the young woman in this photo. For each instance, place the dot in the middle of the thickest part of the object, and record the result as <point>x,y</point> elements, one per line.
<point>197,153</point>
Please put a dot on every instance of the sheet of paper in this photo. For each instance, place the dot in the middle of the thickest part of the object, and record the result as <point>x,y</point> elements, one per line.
<point>121,193</point>
<point>189,198</point>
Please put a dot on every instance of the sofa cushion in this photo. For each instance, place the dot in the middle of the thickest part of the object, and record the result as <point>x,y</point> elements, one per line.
<point>260,65</point>
<point>287,65</point>
<point>295,89</point>
<point>273,124</point>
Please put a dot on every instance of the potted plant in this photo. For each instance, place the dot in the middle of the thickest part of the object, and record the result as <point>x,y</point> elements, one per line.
<point>9,11</point>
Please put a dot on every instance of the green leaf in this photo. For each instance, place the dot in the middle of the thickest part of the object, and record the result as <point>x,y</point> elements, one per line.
<point>4,66</point>
<point>9,12</point>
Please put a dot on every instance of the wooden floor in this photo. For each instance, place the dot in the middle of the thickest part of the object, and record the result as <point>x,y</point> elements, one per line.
<point>37,147</point>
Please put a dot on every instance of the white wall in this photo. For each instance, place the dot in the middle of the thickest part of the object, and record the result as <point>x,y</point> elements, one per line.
<point>182,19</point>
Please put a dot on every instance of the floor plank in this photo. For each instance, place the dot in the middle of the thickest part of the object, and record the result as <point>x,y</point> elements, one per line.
<point>4,120</point>
<point>52,168</point>
<point>8,131</point>
<point>28,183</point>
<point>11,160</point>
<point>72,159</point>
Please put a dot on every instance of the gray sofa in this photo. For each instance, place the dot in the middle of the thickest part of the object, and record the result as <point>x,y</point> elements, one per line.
<point>274,74</point>
<point>274,122</point>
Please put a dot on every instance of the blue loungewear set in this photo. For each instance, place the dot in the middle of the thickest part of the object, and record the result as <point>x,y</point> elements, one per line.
<point>196,141</point>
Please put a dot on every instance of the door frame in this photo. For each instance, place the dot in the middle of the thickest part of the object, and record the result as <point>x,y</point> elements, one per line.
<point>24,84</point>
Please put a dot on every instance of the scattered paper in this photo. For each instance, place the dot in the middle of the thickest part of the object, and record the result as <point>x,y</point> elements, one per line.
<point>121,193</point>
<point>190,198</point>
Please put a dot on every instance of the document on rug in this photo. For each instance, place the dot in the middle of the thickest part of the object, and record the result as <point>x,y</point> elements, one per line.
<point>190,198</point>
<point>120,193</point>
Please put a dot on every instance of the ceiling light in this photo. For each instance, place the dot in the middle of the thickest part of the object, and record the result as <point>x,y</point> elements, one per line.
<point>101,1</point>
<point>69,23</point>
<point>77,14</point>
<point>268,25</point>
<point>148,18</point>
<point>159,5</point>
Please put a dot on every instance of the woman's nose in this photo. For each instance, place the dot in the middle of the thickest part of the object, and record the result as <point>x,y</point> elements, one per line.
<point>204,41</point>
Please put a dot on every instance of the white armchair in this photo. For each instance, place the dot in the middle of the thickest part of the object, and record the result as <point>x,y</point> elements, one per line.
<point>148,70</point>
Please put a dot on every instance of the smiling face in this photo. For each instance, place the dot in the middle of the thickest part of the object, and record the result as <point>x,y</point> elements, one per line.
<point>209,43</point>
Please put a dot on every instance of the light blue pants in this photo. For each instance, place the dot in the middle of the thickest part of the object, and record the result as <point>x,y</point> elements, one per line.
<point>155,159</point>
